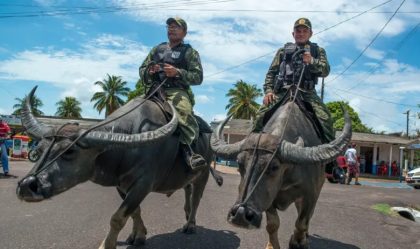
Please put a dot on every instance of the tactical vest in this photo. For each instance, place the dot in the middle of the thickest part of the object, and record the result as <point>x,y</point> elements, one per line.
<point>173,56</point>
<point>291,65</point>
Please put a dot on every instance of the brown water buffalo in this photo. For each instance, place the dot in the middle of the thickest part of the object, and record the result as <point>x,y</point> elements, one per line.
<point>134,149</point>
<point>282,165</point>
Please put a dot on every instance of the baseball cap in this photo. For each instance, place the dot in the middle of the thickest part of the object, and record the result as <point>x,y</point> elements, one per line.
<point>303,22</point>
<point>178,21</point>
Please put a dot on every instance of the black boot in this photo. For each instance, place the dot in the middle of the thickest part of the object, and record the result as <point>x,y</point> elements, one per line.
<point>194,160</point>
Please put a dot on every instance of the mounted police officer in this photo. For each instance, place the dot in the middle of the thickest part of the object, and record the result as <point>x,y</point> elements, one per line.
<point>179,64</point>
<point>299,62</point>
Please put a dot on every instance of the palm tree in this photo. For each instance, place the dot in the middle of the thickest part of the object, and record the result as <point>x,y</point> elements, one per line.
<point>242,100</point>
<point>69,107</point>
<point>140,90</point>
<point>36,103</point>
<point>109,99</point>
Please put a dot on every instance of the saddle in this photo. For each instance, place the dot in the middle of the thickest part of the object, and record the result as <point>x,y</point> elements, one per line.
<point>160,99</point>
<point>304,106</point>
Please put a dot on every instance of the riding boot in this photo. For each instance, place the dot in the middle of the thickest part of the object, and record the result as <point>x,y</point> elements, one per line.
<point>194,160</point>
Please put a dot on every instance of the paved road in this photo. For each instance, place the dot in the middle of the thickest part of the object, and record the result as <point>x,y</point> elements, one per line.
<point>79,219</point>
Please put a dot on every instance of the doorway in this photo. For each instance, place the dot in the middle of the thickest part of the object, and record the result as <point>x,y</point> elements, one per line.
<point>366,158</point>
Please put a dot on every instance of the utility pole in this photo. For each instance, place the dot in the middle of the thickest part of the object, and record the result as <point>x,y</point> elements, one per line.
<point>408,117</point>
<point>322,89</point>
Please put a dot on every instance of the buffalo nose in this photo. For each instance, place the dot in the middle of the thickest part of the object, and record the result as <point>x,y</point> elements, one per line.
<point>244,216</point>
<point>27,187</point>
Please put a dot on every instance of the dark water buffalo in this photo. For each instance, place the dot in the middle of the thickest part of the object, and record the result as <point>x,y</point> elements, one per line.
<point>137,153</point>
<point>282,165</point>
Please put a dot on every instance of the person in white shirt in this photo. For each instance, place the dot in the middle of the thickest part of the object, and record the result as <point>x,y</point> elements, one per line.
<point>352,163</point>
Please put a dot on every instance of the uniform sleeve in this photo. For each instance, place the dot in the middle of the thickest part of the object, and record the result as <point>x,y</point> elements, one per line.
<point>320,66</point>
<point>193,75</point>
<point>144,76</point>
<point>273,70</point>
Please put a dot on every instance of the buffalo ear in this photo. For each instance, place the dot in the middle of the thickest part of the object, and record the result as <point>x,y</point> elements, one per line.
<point>300,142</point>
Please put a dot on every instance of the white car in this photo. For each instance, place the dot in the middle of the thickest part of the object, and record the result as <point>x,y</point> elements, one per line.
<point>413,178</point>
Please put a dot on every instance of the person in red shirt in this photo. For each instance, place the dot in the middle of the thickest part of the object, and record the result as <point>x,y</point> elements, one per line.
<point>4,134</point>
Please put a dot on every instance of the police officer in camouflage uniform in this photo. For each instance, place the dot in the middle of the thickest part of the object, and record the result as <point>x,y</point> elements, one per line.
<point>286,69</point>
<point>180,65</point>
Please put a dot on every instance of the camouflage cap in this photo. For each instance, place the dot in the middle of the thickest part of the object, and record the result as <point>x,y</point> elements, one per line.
<point>303,22</point>
<point>178,21</point>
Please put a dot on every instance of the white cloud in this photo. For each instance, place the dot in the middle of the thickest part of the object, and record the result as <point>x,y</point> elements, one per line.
<point>203,99</point>
<point>5,111</point>
<point>225,40</point>
<point>76,71</point>
<point>219,117</point>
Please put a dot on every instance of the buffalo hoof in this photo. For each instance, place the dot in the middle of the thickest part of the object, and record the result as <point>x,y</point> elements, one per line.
<point>135,240</point>
<point>294,244</point>
<point>189,228</point>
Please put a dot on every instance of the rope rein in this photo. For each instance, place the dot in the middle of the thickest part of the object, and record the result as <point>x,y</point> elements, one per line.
<point>105,122</point>
<point>248,196</point>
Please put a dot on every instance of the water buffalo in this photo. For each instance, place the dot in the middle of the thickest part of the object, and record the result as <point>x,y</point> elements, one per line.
<point>283,164</point>
<point>134,149</point>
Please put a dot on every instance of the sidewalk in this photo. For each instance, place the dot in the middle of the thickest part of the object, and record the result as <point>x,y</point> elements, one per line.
<point>17,159</point>
<point>226,169</point>
<point>365,181</point>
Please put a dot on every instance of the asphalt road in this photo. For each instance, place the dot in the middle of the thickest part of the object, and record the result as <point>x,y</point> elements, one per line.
<point>79,218</point>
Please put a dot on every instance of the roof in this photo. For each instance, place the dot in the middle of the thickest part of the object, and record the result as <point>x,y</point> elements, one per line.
<point>52,121</point>
<point>243,127</point>
<point>378,138</point>
<point>235,126</point>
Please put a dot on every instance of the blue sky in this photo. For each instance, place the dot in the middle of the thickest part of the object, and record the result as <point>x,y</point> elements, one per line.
<point>66,46</point>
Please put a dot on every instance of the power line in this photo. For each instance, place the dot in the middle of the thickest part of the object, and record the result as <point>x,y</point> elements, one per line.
<point>369,97</point>
<point>109,9</point>
<point>370,43</point>
<point>270,53</point>
<point>294,11</point>
<point>397,47</point>
<point>220,10</point>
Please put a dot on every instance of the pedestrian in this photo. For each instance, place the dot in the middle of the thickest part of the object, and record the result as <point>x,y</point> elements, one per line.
<point>353,166</point>
<point>4,135</point>
<point>179,65</point>
<point>287,68</point>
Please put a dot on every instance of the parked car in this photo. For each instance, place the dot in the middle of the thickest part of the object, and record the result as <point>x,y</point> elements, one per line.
<point>413,178</point>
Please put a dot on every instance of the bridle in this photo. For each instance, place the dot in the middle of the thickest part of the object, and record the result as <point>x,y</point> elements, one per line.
<point>54,137</point>
<point>245,195</point>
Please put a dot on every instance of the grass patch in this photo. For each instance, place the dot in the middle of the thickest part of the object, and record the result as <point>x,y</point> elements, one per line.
<point>384,209</point>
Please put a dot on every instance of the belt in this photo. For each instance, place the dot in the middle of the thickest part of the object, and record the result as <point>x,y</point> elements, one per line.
<point>307,85</point>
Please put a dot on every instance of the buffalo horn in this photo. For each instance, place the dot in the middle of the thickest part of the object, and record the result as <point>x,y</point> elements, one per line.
<point>322,154</point>
<point>219,146</point>
<point>117,140</point>
<point>33,127</point>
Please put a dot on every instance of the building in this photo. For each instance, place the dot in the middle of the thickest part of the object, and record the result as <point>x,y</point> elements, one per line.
<point>16,125</point>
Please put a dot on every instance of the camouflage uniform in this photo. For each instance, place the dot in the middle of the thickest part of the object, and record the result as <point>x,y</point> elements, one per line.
<point>178,89</point>
<point>319,67</point>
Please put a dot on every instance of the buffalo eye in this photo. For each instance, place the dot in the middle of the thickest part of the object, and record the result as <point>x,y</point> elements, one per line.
<point>69,153</point>
<point>272,169</point>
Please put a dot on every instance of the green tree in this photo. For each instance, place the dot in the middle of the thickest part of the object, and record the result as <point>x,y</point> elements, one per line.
<point>69,107</point>
<point>36,103</point>
<point>338,119</point>
<point>140,90</point>
<point>242,100</point>
<point>109,99</point>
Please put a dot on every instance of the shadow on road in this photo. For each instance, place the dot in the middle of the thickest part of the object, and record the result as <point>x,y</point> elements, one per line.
<point>204,239</point>
<point>7,176</point>
<point>318,242</point>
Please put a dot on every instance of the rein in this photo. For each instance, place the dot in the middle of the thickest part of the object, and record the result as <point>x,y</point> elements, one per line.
<point>246,196</point>
<point>55,136</point>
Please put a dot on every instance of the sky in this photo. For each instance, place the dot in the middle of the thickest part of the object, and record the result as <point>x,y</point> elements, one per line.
<point>64,47</point>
